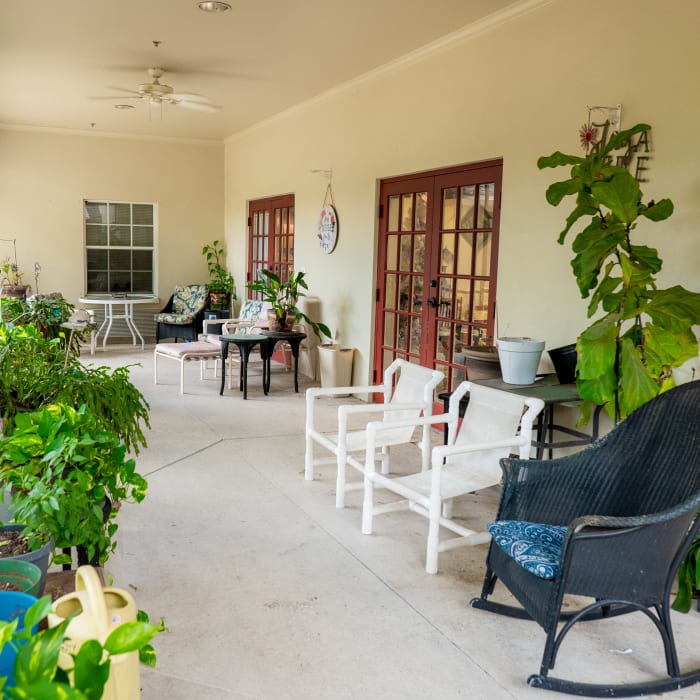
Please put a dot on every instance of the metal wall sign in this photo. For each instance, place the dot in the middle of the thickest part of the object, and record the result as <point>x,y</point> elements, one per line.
<point>328,223</point>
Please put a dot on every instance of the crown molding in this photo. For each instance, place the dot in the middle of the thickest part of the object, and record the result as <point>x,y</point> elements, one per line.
<point>108,135</point>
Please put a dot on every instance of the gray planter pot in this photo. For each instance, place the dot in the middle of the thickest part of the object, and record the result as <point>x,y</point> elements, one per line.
<point>39,557</point>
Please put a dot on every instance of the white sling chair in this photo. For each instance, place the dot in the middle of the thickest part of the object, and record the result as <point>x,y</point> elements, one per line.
<point>411,396</point>
<point>468,462</point>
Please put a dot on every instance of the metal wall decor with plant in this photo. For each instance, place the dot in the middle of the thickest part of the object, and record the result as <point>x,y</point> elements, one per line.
<point>641,332</point>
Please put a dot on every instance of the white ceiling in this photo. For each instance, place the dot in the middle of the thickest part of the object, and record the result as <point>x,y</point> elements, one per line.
<point>258,59</point>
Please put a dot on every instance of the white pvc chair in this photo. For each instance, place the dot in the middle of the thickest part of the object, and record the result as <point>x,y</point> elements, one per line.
<point>470,461</point>
<point>408,392</point>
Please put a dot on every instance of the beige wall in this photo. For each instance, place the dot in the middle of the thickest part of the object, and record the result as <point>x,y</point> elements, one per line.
<point>518,89</point>
<point>44,177</point>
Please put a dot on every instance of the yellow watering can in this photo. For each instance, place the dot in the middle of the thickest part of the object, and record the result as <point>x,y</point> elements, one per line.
<point>99,610</point>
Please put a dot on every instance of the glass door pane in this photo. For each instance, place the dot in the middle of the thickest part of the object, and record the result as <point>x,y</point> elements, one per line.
<point>438,236</point>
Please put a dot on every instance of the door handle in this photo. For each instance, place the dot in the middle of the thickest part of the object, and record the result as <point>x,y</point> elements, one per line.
<point>433,303</point>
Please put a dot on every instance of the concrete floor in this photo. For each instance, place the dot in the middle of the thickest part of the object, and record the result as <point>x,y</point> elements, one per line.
<point>271,593</point>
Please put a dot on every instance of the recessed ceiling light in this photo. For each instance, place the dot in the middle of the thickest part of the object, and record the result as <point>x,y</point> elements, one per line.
<point>123,106</point>
<point>210,6</point>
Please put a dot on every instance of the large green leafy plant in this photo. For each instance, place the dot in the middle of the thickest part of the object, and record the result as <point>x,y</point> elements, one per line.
<point>68,475</point>
<point>641,332</point>
<point>284,297</point>
<point>36,370</point>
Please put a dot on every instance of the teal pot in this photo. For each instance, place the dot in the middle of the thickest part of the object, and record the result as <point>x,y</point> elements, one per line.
<point>22,575</point>
<point>39,557</point>
<point>13,605</point>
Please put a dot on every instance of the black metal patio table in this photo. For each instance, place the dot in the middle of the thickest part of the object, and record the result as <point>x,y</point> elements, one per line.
<point>548,389</point>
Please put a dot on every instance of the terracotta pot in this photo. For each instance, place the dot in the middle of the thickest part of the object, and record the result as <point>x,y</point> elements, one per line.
<point>17,291</point>
<point>278,325</point>
<point>481,362</point>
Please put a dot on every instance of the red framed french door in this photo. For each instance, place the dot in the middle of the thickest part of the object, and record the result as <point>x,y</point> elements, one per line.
<point>437,266</point>
<point>271,236</point>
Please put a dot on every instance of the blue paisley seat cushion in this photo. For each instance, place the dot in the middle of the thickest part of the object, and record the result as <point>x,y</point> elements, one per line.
<point>536,547</point>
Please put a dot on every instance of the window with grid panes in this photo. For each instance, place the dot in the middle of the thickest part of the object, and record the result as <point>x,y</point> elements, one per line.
<point>119,247</point>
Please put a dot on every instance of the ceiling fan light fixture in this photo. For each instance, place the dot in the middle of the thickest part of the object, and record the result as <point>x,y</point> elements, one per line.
<point>123,106</point>
<point>211,6</point>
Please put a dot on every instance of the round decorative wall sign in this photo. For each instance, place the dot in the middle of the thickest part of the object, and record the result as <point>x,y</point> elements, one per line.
<point>328,228</point>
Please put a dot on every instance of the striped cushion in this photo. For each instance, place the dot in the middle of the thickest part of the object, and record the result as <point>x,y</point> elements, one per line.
<point>536,547</point>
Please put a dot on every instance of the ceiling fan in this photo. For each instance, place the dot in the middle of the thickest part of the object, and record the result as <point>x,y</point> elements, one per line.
<point>157,93</point>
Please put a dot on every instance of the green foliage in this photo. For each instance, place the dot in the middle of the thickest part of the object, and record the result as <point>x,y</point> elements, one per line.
<point>221,278</point>
<point>37,675</point>
<point>283,296</point>
<point>36,371</point>
<point>67,475</point>
<point>28,366</point>
<point>626,355</point>
<point>117,405</point>
<point>688,577</point>
<point>46,312</point>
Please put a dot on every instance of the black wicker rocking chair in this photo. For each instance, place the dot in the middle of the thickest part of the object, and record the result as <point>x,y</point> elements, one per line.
<point>611,523</point>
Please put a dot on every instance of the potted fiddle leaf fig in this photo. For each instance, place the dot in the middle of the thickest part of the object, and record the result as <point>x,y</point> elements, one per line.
<point>284,297</point>
<point>640,331</point>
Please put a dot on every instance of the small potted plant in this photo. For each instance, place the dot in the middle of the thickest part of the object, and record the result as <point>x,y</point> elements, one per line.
<point>222,289</point>
<point>11,280</point>
<point>283,297</point>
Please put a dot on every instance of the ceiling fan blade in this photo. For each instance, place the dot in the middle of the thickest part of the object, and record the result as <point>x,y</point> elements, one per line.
<point>114,97</point>
<point>191,96</point>
<point>121,89</point>
<point>201,106</point>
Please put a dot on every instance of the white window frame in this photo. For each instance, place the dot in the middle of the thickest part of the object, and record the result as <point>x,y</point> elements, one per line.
<point>110,286</point>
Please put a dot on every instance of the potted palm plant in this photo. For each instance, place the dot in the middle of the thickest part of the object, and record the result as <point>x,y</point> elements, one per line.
<point>283,298</point>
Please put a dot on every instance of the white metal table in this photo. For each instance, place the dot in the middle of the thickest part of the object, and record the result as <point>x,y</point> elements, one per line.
<point>109,301</point>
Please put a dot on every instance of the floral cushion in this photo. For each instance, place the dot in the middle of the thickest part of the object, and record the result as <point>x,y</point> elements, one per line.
<point>250,311</point>
<point>536,547</point>
<point>188,300</point>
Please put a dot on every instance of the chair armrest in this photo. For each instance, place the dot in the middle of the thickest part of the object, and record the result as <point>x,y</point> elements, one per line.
<point>614,522</point>
<point>316,392</point>
<point>440,452</point>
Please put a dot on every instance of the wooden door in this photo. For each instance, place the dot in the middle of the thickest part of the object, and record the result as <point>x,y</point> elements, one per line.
<point>271,236</point>
<point>437,266</point>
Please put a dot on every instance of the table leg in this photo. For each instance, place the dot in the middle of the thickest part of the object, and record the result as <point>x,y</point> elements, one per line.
<point>224,355</point>
<point>266,349</point>
<point>129,318</point>
<point>295,355</point>
<point>245,353</point>
<point>107,321</point>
